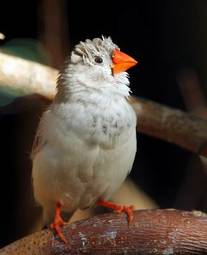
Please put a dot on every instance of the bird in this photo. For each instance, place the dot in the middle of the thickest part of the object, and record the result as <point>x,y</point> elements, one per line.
<point>85,142</point>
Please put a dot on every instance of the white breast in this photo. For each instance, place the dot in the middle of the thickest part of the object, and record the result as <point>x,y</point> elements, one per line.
<point>87,153</point>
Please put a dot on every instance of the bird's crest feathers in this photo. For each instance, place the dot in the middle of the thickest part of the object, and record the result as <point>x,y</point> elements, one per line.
<point>90,48</point>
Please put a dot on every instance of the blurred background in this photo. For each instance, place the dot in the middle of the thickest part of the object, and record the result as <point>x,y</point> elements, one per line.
<point>169,38</point>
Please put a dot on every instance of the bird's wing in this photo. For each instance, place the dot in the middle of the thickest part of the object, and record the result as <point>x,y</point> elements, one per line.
<point>38,143</point>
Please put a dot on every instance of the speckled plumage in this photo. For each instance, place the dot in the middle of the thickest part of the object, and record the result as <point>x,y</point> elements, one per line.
<point>86,141</point>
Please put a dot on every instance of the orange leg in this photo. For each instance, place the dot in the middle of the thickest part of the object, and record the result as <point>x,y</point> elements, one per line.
<point>58,222</point>
<point>118,208</point>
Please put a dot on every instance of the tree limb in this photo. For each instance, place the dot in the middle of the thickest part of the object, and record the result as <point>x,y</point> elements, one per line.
<point>151,232</point>
<point>24,77</point>
<point>172,125</point>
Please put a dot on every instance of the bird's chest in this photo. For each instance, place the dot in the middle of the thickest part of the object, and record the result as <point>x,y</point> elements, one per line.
<point>107,126</point>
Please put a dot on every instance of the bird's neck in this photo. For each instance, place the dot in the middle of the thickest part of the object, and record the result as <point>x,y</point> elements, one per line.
<point>75,86</point>
<point>94,97</point>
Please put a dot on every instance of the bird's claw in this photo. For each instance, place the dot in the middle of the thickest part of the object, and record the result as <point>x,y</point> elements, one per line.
<point>58,223</point>
<point>129,210</point>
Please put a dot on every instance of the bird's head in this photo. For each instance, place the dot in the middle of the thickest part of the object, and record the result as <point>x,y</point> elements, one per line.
<point>98,64</point>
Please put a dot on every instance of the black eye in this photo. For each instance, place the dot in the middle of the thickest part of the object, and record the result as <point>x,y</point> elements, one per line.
<point>98,60</point>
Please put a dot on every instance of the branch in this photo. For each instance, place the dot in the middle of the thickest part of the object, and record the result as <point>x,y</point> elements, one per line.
<point>172,125</point>
<point>152,232</point>
<point>25,77</point>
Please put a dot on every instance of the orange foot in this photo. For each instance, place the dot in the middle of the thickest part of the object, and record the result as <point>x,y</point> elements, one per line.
<point>58,222</point>
<point>129,210</point>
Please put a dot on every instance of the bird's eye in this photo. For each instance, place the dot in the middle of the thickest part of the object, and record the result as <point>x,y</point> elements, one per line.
<point>98,60</point>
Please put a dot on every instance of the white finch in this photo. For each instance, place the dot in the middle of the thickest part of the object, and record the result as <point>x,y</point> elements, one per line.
<point>86,141</point>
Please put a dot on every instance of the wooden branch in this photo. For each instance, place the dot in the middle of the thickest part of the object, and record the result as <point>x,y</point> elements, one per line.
<point>188,131</point>
<point>172,125</point>
<point>24,77</point>
<point>152,232</point>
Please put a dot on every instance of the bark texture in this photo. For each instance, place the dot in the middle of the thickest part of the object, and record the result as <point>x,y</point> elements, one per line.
<point>155,231</point>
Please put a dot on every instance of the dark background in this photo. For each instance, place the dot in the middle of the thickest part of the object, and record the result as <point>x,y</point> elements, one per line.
<point>168,38</point>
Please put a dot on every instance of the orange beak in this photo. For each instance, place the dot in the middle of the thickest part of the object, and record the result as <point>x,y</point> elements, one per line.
<point>121,61</point>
